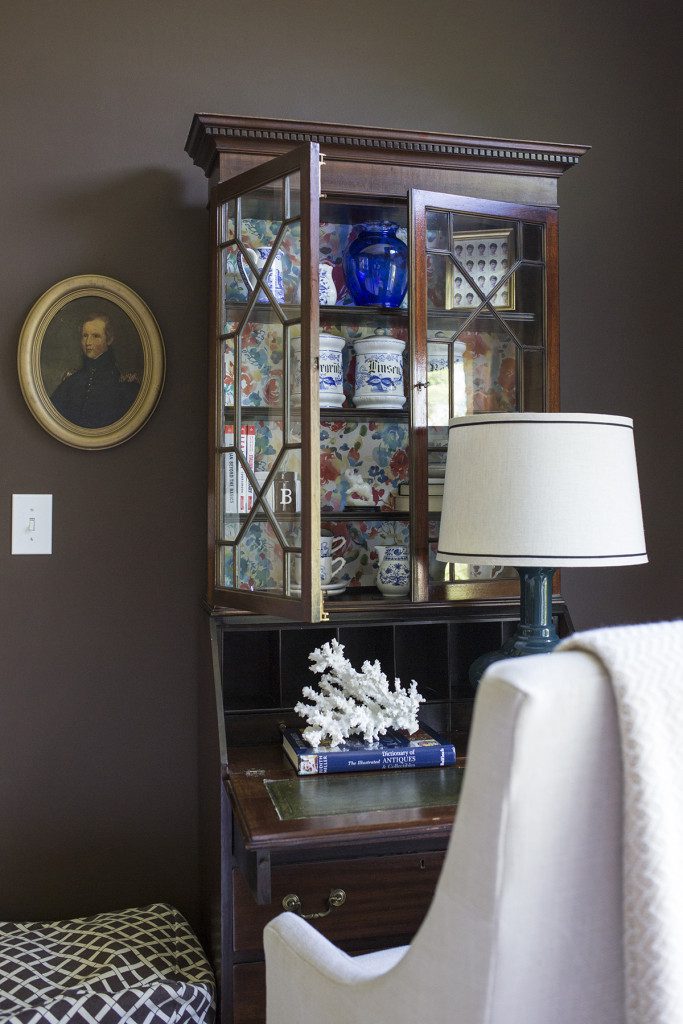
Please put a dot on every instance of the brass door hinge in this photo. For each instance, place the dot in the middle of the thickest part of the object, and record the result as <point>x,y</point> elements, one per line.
<point>321,158</point>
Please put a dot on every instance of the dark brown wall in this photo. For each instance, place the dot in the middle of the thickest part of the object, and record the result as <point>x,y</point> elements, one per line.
<point>100,642</point>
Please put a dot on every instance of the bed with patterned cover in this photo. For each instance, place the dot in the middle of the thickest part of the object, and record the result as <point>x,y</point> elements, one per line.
<point>138,965</point>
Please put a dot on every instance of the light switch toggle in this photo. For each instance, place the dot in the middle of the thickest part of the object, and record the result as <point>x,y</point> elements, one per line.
<point>31,524</point>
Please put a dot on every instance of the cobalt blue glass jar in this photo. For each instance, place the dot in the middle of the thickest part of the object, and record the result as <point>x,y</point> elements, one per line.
<point>376,266</point>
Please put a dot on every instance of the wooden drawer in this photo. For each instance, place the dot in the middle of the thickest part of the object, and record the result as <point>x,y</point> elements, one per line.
<point>386,900</point>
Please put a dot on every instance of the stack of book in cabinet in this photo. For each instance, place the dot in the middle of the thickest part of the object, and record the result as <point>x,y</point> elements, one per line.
<point>239,494</point>
<point>434,495</point>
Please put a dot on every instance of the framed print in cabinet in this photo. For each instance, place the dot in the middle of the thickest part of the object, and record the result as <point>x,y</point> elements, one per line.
<point>286,197</point>
<point>484,258</point>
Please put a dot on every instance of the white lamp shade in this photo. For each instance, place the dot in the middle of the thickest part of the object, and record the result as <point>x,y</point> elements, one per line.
<point>541,489</point>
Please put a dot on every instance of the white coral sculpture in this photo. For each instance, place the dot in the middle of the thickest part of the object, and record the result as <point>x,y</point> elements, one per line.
<point>354,703</point>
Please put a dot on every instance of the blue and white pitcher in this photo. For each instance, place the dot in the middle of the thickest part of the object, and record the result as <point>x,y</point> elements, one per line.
<point>273,278</point>
<point>327,290</point>
<point>393,575</point>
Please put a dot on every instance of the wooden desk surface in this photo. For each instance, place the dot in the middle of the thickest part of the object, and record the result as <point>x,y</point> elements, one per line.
<point>262,829</point>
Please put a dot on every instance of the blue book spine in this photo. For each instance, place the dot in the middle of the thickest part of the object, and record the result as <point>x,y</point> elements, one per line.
<point>311,761</point>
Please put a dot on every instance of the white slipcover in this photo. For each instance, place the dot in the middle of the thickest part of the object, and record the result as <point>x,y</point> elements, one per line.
<point>526,922</point>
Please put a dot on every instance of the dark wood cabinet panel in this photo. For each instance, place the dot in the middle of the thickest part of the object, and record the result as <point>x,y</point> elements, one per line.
<point>249,994</point>
<point>386,900</point>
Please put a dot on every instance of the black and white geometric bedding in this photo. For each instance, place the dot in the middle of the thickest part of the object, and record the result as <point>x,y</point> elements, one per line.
<point>140,966</point>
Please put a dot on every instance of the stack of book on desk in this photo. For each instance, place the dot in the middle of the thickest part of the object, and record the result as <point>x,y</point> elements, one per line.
<point>434,495</point>
<point>422,749</point>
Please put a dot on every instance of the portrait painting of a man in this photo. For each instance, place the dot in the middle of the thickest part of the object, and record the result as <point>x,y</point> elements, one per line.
<point>91,361</point>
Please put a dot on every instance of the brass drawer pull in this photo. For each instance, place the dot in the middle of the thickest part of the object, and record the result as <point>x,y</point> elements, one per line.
<point>337,898</point>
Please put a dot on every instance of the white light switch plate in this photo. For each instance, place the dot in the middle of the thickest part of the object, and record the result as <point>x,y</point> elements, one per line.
<point>31,524</point>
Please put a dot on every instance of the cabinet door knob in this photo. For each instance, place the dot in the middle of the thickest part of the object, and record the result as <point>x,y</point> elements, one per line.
<point>337,898</point>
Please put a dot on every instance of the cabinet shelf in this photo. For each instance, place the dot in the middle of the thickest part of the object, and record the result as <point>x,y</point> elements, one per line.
<point>366,597</point>
<point>264,313</point>
<point>464,314</point>
<point>265,412</point>
<point>398,415</point>
<point>343,515</point>
<point>353,312</point>
<point>363,512</point>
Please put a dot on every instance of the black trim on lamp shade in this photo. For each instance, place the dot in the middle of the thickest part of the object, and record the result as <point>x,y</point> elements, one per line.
<point>503,421</point>
<point>475,559</point>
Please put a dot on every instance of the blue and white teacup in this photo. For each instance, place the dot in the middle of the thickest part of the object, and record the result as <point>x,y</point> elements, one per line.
<point>330,566</point>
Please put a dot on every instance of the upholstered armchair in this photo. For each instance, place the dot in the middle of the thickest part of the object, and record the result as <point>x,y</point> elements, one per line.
<point>526,922</point>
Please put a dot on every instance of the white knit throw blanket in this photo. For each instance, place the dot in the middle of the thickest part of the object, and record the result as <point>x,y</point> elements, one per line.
<point>645,665</point>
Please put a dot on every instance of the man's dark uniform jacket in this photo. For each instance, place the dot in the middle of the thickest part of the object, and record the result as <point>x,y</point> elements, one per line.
<point>96,395</point>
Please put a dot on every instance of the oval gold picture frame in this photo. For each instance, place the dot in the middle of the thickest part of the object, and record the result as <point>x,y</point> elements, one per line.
<point>50,353</point>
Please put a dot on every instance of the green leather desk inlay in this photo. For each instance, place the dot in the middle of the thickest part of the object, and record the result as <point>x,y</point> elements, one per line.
<point>351,793</point>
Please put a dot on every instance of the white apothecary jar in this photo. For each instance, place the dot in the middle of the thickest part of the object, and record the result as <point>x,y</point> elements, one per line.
<point>379,373</point>
<point>331,371</point>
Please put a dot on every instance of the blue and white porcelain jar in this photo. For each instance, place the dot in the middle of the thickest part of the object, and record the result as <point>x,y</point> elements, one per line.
<point>331,371</point>
<point>393,575</point>
<point>379,373</point>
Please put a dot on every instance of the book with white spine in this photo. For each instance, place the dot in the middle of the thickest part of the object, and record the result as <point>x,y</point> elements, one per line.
<point>230,499</point>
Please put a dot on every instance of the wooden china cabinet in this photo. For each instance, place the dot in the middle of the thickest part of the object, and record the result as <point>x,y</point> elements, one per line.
<point>480,329</point>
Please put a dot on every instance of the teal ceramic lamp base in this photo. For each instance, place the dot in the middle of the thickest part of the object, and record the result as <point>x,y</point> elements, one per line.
<point>535,633</point>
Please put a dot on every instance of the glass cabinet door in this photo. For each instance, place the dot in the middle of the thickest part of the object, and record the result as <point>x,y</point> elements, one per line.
<point>264,505</point>
<point>483,326</point>
<point>364,405</point>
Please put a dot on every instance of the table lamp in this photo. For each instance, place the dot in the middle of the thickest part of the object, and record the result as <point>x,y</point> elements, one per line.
<point>539,491</point>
